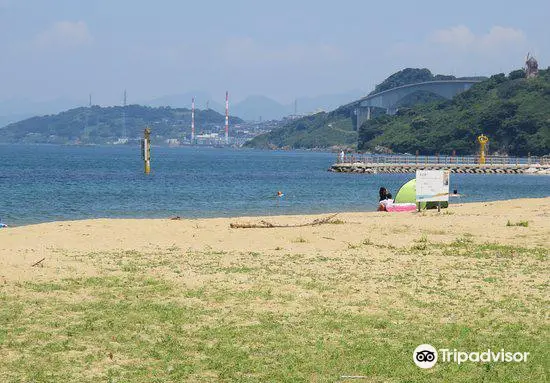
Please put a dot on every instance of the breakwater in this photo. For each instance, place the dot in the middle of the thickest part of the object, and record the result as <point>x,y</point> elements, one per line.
<point>471,165</point>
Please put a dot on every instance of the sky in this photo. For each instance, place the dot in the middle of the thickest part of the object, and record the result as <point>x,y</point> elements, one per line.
<point>281,49</point>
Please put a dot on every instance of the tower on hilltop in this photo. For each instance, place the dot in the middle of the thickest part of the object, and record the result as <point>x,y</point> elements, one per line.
<point>531,66</point>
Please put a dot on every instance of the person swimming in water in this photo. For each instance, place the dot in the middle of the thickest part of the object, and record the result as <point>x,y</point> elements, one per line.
<point>455,193</point>
<point>280,194</point>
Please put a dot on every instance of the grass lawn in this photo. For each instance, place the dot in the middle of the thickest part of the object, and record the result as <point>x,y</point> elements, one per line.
<point>176,315</point>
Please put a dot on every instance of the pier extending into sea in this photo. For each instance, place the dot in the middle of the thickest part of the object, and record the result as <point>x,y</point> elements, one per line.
<point>372,164</point>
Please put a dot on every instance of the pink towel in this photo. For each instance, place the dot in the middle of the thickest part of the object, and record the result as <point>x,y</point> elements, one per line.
<point>398,207</point>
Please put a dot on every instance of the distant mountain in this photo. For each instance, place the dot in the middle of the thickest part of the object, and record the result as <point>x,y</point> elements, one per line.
<point>251,108</point>
<point>254,108</point>
<point>183,100</point>
<point>99,125</point>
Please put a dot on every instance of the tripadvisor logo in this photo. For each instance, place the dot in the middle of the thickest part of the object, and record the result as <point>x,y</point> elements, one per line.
<point>426,356</point>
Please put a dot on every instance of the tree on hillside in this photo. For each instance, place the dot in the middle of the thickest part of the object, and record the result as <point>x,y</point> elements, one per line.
<point>519,73</point>
<point>513,111</point>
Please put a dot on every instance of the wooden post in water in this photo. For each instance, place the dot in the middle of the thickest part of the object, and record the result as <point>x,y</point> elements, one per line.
<point>146,150</point>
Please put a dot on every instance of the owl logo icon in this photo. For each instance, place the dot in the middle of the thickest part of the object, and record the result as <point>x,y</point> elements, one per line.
<point>425,356</point>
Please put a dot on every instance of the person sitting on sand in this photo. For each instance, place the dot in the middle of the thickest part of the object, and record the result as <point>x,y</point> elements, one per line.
<point>388,199</point>
<point>383,193</point>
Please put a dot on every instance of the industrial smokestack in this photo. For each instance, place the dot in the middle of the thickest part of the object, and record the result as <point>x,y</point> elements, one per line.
<point>226,117</point>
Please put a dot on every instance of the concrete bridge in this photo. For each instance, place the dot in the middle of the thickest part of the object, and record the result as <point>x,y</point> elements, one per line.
<point>389,99</point>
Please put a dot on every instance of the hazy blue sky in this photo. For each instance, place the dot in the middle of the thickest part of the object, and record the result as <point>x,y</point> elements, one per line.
<point>281,49</point>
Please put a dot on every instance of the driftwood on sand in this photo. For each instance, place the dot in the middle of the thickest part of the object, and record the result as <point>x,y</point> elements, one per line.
<point>266,225</point>
<point>38,263</point>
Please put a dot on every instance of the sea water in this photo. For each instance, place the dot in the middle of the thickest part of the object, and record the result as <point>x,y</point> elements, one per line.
<point>48,183</point>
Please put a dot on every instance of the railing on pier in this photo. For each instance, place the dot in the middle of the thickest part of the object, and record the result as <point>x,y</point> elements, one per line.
<point>439,160</point>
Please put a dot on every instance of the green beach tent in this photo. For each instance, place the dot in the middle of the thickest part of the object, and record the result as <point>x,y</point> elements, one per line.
<point>407,194</point>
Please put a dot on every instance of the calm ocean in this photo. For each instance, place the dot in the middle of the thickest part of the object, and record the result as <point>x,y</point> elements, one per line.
<point>50,183</point>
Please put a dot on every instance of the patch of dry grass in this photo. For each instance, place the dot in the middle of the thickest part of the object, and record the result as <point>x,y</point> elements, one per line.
<point>177,315</point>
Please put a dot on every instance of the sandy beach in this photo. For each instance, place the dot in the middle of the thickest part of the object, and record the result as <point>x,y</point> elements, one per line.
<point>20,247</point>
<point>196,300</point>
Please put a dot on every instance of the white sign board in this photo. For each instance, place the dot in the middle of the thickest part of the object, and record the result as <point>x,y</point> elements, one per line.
<point>432,185</point>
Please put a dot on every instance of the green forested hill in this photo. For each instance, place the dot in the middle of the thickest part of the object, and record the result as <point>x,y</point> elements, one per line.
<point>336,128</point>
<point>104,124</point>
<point>512,110</point>
<point>320,130</point>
